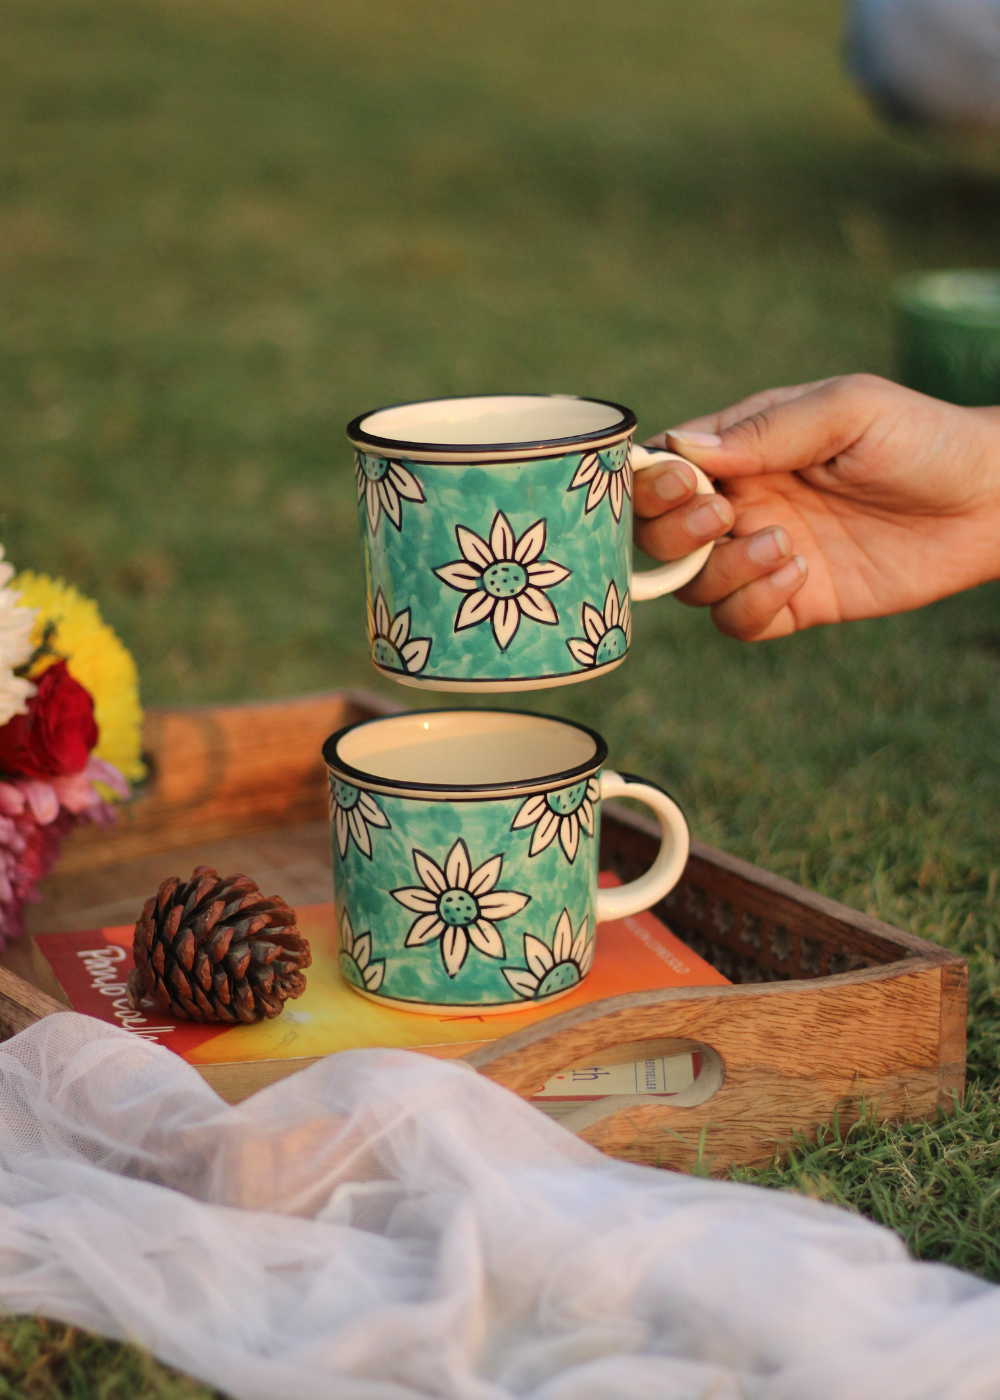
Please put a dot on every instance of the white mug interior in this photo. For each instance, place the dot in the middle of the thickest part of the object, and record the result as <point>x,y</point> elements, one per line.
<point>494,420</point>
<point>461,749</point>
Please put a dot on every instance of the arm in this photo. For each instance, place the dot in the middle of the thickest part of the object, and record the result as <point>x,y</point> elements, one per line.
<point>844,499</point>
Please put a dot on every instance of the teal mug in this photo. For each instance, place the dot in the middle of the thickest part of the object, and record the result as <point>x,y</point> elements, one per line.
<point>497,537</point>
<point>465,856</point>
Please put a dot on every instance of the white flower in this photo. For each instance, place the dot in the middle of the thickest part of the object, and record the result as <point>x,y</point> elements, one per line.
<point>382,482</point>
<point>503,579</point>
<point>556,969</point>
<point>608,635</point>
<point>609,474</point>
<point>389,640</point>
<point>457,905</point>
<point>353,812</point>
<point>356,962</point>
<point>560,813</point>
<point>16,625</point>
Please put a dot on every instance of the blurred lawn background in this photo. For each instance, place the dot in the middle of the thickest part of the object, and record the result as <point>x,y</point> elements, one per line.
<point>226,227</point>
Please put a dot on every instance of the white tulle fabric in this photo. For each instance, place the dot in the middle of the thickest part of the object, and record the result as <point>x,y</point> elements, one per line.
<point>390,1227</point>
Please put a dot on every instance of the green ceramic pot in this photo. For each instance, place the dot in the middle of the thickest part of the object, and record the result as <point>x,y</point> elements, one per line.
<point>948,335</point>
<point>497,536</point>
<point>465,856</point>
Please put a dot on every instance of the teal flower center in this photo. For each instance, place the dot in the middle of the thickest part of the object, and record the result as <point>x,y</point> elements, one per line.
<point>344,795</point>
<point>567,800</point>
<point>385,654</point>
<point>614,459</point>
<point>458,908</point>
<point>558,978</point>
<point>611,646</point>
<point>374,468</point>
<point>505,579</point>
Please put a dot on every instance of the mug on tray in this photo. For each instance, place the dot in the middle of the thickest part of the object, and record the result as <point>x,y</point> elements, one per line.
<point>465,856</point>
<point>497,538</point>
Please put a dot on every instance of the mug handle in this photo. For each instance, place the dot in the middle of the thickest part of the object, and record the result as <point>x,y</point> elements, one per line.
<point>653,583</point>
<point>671,858</point>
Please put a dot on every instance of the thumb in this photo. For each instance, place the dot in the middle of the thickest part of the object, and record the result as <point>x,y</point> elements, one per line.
<point>790,436</point>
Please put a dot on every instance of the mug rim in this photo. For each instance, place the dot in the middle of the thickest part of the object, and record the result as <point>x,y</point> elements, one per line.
<point>396,447</point>
<point>462,791</point>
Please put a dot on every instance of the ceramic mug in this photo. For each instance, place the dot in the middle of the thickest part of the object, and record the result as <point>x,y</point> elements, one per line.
<point>465,856</point>
<point>497,537</point>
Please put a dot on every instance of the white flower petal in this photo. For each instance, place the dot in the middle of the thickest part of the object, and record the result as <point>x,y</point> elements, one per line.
<point>617,494</point>
<point>373,504</point>
<point>586,815</point>
<point>418,899</point>
<point>454,949</point>
<point>522,981</point>
<point>585,471</point>
<point>460,575</point>
<point>405,482</point>
<point>373,975</point>
<point>611,605</point>
<point>579,943</point>
<point>346,933</point>
<point>569,836</point>
<point>582,651</point>
<point>415,654</point>
<point>598,490</point>
<point>359,830</point>
<point>533,603</point>
<point>424,930</point>
<point>587,959</point>
<point>625,615</point>
<point>501,537</point>
<point>400,629</point>
<point>627,475</point>
<point>501,904</point>
<point>359,473</point>
<point>487,939</point>
<point>531,543</point>
<point>562,943</point>
<point>363,950</point>
<point>547,574</point>
<point>537,956</point>
<point>475,550</point>
<point>476,608</point>
<point>382,619</point>
<point>458,867</point>
<point>431,874</point>
<point>545,832</point>
<point>483,879</point>
<point>340,822</point>
<point>389,497</point>
<point>593,623</point>
<point>529,812</point>
<point>506,619</point>
<point>371,810</point>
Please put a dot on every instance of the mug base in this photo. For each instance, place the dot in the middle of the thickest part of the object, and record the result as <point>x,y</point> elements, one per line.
<point>497,687</point>
<point>457,1009</point>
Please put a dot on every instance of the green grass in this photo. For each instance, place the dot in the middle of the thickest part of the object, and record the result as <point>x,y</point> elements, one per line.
<point>226,227</point>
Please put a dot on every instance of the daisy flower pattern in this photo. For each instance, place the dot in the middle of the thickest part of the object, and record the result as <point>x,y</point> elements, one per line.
<point>608,634</point>
<point>607,474</point>
<point>458,905</point>
<point>355,962</point>
<point>554,969</point>
<point>382,482</point>
<point>503,579</point>
<point>353,811</point>
<point>390,642</point>
<point>561,813</point>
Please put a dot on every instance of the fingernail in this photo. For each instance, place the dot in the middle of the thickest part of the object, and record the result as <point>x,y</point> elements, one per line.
<point>792,572</point>
<point>674,483</point>
<point>707,519</point>
<point>769,547</point>
<point>687,437</point>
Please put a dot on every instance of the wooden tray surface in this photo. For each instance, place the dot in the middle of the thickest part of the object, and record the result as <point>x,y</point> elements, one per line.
<point>830,1006</point>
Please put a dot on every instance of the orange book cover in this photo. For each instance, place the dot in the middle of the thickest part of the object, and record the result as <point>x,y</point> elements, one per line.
<point>634,954</point>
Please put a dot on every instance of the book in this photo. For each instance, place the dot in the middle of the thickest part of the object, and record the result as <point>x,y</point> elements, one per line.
<point>88,971</point>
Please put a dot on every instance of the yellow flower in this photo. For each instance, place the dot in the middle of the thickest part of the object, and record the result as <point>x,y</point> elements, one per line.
<point>97,658</point>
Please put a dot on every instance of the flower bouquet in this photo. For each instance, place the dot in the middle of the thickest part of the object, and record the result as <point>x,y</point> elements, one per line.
<point>70,729</point>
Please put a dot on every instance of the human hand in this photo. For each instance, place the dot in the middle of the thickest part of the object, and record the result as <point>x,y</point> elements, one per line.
<point>843,499</point>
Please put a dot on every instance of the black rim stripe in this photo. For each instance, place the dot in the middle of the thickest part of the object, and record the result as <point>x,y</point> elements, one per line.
<point>395,447</point>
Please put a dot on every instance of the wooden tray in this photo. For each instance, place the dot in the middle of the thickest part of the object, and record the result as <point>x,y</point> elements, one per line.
<point>830,1006</point>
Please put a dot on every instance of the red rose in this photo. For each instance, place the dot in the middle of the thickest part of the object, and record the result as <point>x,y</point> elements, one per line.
<point>56,735</point>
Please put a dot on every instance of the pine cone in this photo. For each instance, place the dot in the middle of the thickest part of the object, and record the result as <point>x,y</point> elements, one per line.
<point>211,949</point>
